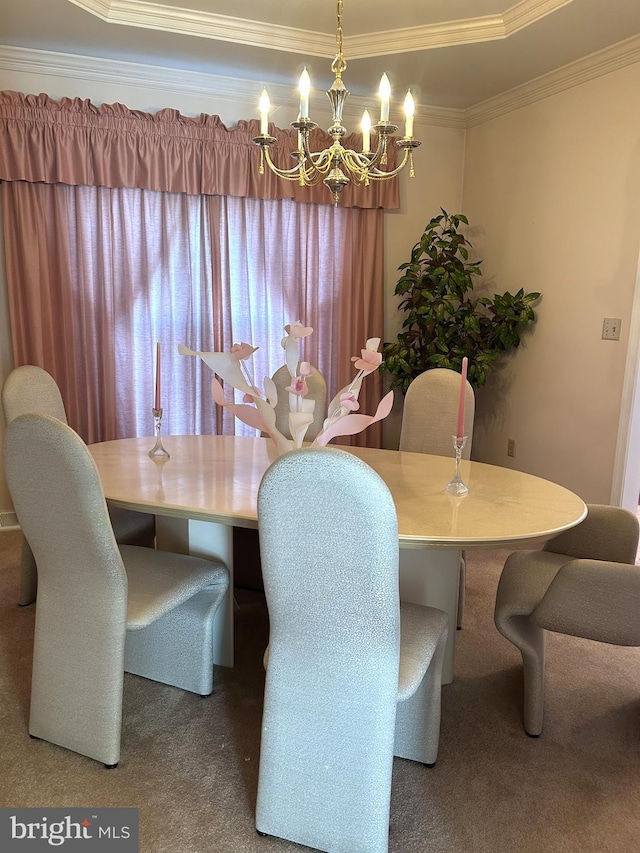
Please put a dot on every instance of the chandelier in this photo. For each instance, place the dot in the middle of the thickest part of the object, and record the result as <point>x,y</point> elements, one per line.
<point>337,166</point>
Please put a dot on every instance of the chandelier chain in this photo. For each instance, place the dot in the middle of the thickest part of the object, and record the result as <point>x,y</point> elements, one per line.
<point>339,64</point>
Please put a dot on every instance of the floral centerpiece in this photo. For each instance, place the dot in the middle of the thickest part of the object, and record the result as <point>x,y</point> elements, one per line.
<point>258,410</point>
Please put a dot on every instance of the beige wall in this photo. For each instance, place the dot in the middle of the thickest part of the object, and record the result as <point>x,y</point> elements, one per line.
<point>438,165</point>
<point>553,190</point>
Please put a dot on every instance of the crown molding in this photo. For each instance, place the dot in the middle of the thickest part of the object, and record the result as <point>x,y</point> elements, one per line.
<point>527,12</point>
<point>233,90</point>
<point>172,19</point>
<point>120,73</point>
<point>191,22</point>
<point>602,62</point>
<point>230,90</point>
<point>451,33</point>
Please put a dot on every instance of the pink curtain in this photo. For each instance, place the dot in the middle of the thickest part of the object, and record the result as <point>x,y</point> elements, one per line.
<point>74,142</point>
<point>97,274</point>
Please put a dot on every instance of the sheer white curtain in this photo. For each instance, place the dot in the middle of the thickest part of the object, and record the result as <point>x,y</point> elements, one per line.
<point>155,255</point>
<point>279,262</point>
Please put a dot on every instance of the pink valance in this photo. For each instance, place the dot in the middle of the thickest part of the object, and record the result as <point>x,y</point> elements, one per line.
<point>75,142</point>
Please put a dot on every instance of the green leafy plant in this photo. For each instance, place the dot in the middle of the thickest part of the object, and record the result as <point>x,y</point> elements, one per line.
<point>444,322</point>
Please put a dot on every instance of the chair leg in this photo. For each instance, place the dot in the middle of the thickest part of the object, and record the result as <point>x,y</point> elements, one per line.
<point>533,663</point>
<point>531,642</point>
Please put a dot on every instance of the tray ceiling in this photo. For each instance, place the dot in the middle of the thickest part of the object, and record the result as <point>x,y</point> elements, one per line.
<point>452,53</point>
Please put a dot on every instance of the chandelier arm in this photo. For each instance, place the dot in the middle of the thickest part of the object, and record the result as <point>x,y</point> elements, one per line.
<point>384,131</point>
<point>307,179</point>
<point>320,167</point>
<point>380,154</point>
<point>381,175</point>
<point>292,174</point>
<point>319,160</point>
<point>356,162</point>
<point>312,176</point>
<point>321,171</point>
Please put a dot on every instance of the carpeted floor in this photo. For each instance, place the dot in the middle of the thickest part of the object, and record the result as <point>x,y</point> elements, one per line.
<point>191,764</point>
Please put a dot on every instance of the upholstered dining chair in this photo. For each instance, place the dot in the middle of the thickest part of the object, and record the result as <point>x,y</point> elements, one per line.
<point>101,608</point>
<point>353,676</point>
<point>429,420</point>
<point>584,582</point>
<point>31,389</point>
<point>317,391</point>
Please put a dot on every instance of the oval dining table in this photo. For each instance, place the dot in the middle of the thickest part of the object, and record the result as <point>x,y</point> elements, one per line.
<point>210,484</point>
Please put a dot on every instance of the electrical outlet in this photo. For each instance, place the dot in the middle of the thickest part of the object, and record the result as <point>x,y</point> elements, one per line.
<point>611,329</point>
<point>511,447</point>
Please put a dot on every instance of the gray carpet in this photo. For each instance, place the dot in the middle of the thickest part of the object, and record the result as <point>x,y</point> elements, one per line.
<point>191,764</point>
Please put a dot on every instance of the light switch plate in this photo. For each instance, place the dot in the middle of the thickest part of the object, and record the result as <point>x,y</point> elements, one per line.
<point>611,329</point>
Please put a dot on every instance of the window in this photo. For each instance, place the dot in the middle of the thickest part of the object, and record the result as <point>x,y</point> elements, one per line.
<point>127,267</point>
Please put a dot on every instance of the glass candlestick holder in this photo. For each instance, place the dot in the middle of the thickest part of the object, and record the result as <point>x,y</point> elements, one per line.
<point>456,486</point>
<point>158,451</point>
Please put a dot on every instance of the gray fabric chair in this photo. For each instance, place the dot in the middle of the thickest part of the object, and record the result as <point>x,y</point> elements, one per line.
<point>583,583</point>
<point>353,677</point>
<point>317,391</point>
<point>429,420</point>
<point>101,608</point>
<point>32,389</point>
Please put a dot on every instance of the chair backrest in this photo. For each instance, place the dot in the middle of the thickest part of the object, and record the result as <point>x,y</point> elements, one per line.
<point>61,508</point>
<point>430,413</point>
<point>317,391</point>
<point>31,389</point>
<point>607,533</point>
<point>329,551</point>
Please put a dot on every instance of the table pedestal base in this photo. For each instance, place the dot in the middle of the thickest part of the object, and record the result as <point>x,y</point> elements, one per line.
<point>205,539</point>
<point>432,577</point>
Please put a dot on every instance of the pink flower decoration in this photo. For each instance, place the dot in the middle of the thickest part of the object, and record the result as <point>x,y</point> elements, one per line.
<point>242,351</point>
<point>298,330</point>
<point>298,386</point>
<point>369,361</point>
<point>349,402</point>
<point>259,412</point>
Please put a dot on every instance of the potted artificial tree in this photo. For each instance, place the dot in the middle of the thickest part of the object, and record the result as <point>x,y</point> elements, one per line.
<point>443,321</point>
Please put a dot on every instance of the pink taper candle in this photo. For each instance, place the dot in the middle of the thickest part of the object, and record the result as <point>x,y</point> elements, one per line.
<point>158,404</point>
<point>461,402</point>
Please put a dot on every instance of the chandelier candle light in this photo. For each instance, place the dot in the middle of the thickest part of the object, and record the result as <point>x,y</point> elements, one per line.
<point>337,166</point>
